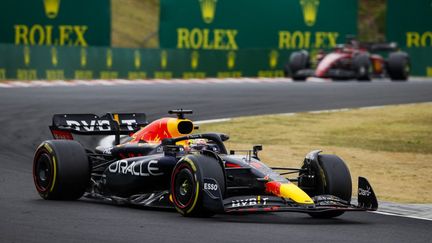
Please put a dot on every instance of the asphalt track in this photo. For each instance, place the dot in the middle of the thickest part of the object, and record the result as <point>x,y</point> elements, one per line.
<point>26,113</point>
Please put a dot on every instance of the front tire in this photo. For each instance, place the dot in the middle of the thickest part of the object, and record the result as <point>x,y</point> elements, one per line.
<point>298,60</point>
<point>332,178</point>
<point>61,170</point>
<point>187,184</point>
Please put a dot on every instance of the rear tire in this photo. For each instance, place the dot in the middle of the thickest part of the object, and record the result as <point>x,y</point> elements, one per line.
<point>187,184</point>
<point>332,178</point>
<point>398,66</point>
<point>299,60</point>
<point>61,170</point>
<point>362,67</point>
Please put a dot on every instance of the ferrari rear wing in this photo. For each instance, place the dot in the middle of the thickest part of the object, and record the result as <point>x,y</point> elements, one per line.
<point>64,125</point>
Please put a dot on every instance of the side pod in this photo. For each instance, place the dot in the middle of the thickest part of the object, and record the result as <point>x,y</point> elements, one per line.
<point>366,195</point>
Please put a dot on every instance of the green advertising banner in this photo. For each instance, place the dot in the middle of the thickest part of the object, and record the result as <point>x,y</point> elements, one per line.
<point>409,23</point>
<point>60,63</point>
<point>239,24</point>
<point>56,22</point>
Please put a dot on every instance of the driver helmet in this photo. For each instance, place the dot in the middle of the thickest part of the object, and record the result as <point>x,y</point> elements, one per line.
<point>197,144</point>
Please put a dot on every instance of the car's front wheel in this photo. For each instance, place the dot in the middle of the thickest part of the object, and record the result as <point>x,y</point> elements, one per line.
<point>398,66</point>
<point>188,184</point>
<point>331,177</point>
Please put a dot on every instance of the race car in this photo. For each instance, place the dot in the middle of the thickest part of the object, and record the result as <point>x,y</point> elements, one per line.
<point>165,164</point>
<point>352,60</point>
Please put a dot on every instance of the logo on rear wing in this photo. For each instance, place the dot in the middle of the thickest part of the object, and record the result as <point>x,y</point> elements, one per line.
<point>123,123</point>
<point>98,125</point>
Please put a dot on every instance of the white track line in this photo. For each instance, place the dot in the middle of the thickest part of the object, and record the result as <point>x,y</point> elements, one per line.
<point>400,215</point>
<point>101,82</point>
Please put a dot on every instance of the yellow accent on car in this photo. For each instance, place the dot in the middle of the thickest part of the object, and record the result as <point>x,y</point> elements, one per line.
<point>173,127</point>
<point>48,148</point>
<point>191,164</point>
<point>116,118</point>
<point>196,198</point>
<point>54,173</point>
<point>290,190</point>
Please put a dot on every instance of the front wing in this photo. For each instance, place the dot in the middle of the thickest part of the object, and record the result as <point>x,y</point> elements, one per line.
<point>367,201</point>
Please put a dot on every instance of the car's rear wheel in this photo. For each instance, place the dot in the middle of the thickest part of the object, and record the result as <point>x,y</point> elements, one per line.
<point>362,67</point>
<point>332,177</point>
<point>398,66</point>
<point>61,170</point>
<point>187,184</point>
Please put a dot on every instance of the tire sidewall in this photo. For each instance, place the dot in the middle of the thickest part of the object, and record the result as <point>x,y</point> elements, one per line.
<point>71,169</point>
<point>187,163</point>
<point>45,148</point>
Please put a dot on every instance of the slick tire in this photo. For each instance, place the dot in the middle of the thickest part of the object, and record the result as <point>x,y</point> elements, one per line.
<point>298,61</point>
<point>398,66</point>
<point>187,183</point>
<point>332,178</point>
<point>362,67</point>
<point>61,170</point>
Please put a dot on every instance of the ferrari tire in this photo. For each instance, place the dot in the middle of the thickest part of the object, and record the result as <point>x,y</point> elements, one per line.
<point>298,60</point>
<point>61,170</point>
<point>362,67</point>
<point>398,66</point>
<point>187,184</point>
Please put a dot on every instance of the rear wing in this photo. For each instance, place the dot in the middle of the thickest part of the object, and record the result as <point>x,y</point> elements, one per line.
<point>380,47</point>
<point>64,125</point>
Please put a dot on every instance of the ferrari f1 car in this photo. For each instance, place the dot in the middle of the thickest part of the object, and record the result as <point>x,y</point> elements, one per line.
<point>351,61</point>
<point>163,164</point>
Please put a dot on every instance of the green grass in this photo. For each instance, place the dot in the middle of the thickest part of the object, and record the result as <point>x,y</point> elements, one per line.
<point>393,129</point>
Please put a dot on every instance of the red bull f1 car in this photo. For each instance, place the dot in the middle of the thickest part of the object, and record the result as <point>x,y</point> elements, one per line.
<point>351,61</point>
<point>165,164</point>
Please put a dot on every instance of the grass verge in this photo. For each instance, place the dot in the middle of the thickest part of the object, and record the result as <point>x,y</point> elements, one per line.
<point>391,146</point>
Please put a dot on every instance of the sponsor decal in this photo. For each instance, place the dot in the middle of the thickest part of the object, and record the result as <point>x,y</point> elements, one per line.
<point>231,58</point>
<point>26,55</point>
<point>83,57</point>
<point>210,186</point>
<point>208,10</point>
<point>207,39</point>
<point>419,39</point>
<point>109,58</point>
<point>164,59</point>
<point>51,8</point>
<point>365,192</point>
<point>54,57</point>
<point>107,150</point>
<point>137,59</point>
<point>136,168</point>
<point>247,202</point>
<point>97,125</point>
<point>273,58</point>
<point>310,11</point>
<point>194,60</point>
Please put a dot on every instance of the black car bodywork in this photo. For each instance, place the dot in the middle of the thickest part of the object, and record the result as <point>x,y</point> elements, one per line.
<point>195,181</point>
